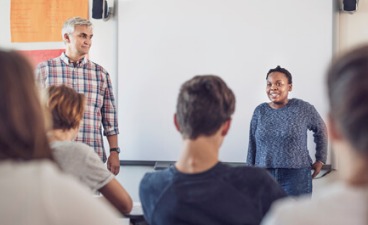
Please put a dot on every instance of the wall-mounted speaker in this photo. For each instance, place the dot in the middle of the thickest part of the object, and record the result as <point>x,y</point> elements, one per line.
<point>101,9</point>
<point>350,5</point>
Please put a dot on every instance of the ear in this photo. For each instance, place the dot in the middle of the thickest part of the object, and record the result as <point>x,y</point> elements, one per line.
<point>332,128</point>
<point>176,123</point>
<point>226,127</point>
<point>290,87</point>
<point>66,37</point>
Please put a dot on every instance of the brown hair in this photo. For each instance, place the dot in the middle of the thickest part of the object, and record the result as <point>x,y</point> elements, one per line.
<point>66,107</point>
<point>22,123</point>
<point>347,84</point>
<point>204,103</point>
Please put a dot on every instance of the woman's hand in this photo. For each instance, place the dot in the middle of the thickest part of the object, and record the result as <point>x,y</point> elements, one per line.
<point>317,166</point>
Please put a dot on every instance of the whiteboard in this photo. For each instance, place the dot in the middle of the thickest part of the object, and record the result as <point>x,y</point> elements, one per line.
<point>162,43</point>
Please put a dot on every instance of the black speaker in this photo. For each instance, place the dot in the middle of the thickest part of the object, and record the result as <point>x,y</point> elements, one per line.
<point>97,8</point>
<point>350,5</point>
<point>100,9</point>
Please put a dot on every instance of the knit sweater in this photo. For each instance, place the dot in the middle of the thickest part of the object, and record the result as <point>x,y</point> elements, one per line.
<point>278,137</point>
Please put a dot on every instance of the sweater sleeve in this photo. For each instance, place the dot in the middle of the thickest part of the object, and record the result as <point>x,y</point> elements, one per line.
<point>251,157</point>
<point>318,127</point>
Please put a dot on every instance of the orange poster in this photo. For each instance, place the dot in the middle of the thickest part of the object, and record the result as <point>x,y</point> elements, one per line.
<point>42,20</point>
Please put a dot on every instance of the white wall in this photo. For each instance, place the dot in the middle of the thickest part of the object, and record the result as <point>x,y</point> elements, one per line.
<point>351,31</point>
<point>165,42</point>
<point>353,27</point>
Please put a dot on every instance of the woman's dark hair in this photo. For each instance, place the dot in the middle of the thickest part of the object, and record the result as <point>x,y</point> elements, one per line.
<point>22,118</point>
<point>281,70</point>
<point>204,103</point>
<point>347,85</point>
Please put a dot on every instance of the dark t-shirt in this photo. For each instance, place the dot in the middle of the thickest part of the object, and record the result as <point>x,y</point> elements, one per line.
<point>221,195</point>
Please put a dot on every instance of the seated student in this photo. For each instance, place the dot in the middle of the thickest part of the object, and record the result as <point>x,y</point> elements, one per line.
<point>33,189</point>
<point>67,108</point>
<point>346,201</point>
<point>199,189</point>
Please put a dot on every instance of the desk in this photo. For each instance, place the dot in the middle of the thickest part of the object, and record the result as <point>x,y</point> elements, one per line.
<point>132,220</point>
<point>137,220</point>
<point>136,215</point>
<point>124,221</point>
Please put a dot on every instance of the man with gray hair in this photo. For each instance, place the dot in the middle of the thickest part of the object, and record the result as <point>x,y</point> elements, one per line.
<point>74,69</point>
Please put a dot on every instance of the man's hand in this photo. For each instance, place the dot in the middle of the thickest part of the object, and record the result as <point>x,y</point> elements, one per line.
<point>317,166</point>
<point>113,163</point>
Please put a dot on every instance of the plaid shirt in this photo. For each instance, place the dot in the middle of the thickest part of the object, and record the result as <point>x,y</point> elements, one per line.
<point>94,82</point>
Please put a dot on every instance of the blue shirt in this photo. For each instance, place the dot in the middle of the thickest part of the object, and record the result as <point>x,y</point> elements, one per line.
<point>278,137</point>
<point>221,195</point>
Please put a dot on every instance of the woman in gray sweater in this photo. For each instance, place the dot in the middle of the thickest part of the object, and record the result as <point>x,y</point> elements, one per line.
<point>278,136</point>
